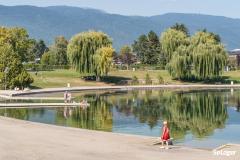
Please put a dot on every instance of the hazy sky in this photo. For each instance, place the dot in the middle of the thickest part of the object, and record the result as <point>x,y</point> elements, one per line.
<point>229,8</point>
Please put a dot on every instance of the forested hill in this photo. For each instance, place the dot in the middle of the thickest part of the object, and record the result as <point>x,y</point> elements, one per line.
<point>48,22</point>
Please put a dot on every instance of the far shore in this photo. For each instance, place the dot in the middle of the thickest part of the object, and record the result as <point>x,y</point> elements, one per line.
<point>12,93</point>
<point>29,141</point>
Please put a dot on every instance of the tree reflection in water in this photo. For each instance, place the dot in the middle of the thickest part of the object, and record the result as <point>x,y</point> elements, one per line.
<point>234,99</point>
<point>21,113</point>
<point>96,117</point>
<point>200,113</point>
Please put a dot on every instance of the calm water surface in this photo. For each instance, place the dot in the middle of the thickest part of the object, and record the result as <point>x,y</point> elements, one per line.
<point>197,118</point>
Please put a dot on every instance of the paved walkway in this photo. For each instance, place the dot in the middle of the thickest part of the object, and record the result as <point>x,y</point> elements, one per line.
<point>42,105</point>
<point>21,140</point>
<point>30,98</point>
<point>50,90</point>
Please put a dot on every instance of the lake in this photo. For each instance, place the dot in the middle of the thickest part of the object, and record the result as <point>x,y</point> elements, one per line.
<point>197,118</point>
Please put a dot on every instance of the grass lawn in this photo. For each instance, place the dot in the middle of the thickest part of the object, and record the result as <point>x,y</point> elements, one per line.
<point>60,78</point>
<point>233,75</point>
<point>142,74</point>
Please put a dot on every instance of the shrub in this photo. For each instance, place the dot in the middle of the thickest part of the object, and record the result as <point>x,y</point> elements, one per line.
<point>160,79</point>
<point>148,79</point>
<point>135,80</point>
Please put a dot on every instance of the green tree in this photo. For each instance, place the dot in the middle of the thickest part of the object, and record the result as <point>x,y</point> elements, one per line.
<point>140,46</point>
<point>30,56</point>
<point>215,36</point>
<point>24,79</point>
<point>102,61</point>
<point>170,40</point>
<point>38,48</point>
<point>16,75</point>
<point>209,55</point>
<point>181,27</point>
<point>209,61</point>
<point>126,55</point>
<point>18,39</point>
<point>153,49</point>
<point>82,48</point>
<point>180,66</point>
<point>148,49</point>
<point>60,49</point>
<point>48,58</point>
<point>204,58</point>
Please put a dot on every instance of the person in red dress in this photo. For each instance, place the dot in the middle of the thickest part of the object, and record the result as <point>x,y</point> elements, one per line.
<point>165,135</point>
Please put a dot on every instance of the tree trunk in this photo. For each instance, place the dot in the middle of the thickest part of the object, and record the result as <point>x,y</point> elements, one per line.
<point>98,78</point>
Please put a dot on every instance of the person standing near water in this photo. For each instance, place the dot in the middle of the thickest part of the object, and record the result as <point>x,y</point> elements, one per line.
<point>65,96</point>
<point>69,97</point>
<point>165,135</point>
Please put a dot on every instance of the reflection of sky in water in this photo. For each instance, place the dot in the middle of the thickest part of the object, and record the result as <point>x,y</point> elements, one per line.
<point>48,117</point>
<point>131,125</point>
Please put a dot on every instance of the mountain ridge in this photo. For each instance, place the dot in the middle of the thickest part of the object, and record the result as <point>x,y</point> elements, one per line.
<point>48,22</point>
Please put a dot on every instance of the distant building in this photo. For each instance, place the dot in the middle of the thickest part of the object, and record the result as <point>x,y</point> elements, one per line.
<point>37,60</point>
<point>117,61</point>
<point>235,55</point>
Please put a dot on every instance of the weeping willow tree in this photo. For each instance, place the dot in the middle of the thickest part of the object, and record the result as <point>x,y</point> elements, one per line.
<point>204,37</point>
<point>171,40</point>
<point>209,56</point>
<point>209,61</point>
<point>203,58</point>
<point>180,65</point>
<point>102,61</point>
<point>82,48</point>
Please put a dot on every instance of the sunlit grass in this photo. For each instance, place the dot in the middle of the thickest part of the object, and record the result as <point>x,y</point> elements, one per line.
<point>60,78</point>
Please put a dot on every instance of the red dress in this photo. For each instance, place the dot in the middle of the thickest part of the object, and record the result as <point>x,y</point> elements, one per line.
<point>165,135</point>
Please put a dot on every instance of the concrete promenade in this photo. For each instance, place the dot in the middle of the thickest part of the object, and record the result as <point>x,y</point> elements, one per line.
<point>52,90</point>
<point>22,140</point>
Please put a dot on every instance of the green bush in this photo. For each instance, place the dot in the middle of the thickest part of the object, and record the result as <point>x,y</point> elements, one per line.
<point>135,80</point>
<point>160,79</point>
<point>148,79</point>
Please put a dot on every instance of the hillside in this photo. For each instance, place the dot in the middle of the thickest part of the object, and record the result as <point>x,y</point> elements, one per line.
<point>48,22</point>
